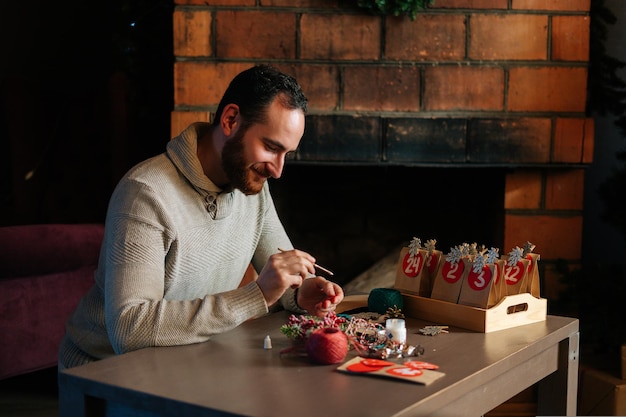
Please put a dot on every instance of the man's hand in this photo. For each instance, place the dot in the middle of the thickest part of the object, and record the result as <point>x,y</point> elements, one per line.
<point>318,296</point>
<point>284,270</point>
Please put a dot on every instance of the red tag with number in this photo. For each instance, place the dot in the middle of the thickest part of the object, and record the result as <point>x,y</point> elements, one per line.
<point>405,371</point>
<point>478,281</point>
<point>420,365</point>
<point>432,262</point>
<point>513,274</point>
<point>412,265</point>
<point>452,272</point>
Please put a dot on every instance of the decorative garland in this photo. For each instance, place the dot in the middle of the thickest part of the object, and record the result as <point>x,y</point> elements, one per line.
<point>395,7</point>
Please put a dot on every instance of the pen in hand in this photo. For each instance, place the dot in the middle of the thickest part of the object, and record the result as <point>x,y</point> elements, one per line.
<point>329,272</point>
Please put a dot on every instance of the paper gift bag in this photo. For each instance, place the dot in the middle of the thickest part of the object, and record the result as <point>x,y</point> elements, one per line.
<point>516,276</point>
<point>533,275</point>
<point>411,272</point>
<point>499,289</point>
<point>432,266</point>
<point>477,289</point>
<point>449,279</point>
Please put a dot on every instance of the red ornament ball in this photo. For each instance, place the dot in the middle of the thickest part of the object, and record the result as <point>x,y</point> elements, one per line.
<point>327,346</point>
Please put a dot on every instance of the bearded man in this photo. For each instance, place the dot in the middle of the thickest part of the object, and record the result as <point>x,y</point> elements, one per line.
<point>182,228</point>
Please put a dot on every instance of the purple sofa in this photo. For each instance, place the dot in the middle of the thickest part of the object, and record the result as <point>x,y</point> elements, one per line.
<point>44,271</point>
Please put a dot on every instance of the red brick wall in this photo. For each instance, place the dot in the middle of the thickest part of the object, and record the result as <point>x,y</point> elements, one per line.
<point>469,83</point>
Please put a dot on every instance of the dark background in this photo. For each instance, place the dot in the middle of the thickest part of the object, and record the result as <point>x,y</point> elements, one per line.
<point>85,93</point>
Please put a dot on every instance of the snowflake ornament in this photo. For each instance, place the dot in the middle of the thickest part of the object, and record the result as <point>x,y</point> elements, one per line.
<point>528,248</point>
<point>430,245</point>
<point>433,330</point>
<point>479,263</point>
<point>414,246</point>
<point>492,255</point>
<point>515,256</point>
<point>455,255</point>
<point>469,249</point>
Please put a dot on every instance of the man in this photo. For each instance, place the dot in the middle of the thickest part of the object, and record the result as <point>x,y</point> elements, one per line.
<point>182,228</point>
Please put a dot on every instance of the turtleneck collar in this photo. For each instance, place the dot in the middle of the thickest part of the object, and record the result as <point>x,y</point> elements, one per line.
<point>182,151</point>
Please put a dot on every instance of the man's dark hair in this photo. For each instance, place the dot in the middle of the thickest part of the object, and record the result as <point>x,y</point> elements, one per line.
<point>255,88</point>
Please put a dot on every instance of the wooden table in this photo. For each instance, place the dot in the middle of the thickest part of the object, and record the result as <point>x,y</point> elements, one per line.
<point>233,375</point>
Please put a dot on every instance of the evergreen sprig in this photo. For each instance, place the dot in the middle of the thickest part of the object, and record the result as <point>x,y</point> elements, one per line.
<point>409,8</point>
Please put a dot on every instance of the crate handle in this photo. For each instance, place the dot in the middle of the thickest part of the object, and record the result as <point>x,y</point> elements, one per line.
<point>517,308</point>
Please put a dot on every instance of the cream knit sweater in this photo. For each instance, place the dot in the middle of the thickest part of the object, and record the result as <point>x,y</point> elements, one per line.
<point>174,252</point>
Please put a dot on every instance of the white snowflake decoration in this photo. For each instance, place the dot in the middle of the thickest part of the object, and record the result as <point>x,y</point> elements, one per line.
<point>464,248</point>
<point>414,246</point>
<point>528,248</point>
<point>430,245</point>
<point>455,255</point>
<point>470,249</point>
<point>479,263</point>
<point>492,255</point>
<point>515,256</point>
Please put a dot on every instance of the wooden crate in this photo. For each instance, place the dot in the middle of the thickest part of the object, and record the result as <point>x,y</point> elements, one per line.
<point>601,393</point>
<point>511,311</point>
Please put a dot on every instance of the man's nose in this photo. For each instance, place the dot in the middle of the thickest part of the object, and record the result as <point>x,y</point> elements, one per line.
<point>276,168</point>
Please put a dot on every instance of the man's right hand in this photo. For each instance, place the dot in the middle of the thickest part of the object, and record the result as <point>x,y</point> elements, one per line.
<point>284,270</point>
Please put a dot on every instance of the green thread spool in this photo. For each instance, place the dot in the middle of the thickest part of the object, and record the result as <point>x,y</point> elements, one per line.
<point>380,299</point>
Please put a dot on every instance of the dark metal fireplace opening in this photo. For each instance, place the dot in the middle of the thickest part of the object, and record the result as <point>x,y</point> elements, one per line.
<point>349,217</point>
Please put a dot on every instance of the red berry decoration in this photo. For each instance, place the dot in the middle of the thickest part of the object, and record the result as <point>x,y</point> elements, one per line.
<point>327,346</point>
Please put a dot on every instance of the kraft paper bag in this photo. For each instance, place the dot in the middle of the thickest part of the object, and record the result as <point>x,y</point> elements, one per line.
<point>498,289</point>
<point>432,266</point>
<point>449,279</point>
<point>533,275</point>
<point>482,287</point>
<point>478,288</point>
<point>516,276</point>
<point>411,275</point>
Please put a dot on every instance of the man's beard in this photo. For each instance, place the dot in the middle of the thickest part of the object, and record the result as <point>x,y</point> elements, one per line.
<point>234,164</point>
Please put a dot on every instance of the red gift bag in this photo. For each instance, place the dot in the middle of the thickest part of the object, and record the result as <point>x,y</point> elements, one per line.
<point>449,279</point>
<point>479,288</point>
<point>516,272</point>
<point>411,272</point>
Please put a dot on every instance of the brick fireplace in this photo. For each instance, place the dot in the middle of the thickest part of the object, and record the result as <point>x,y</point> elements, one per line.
<point>479,99</point>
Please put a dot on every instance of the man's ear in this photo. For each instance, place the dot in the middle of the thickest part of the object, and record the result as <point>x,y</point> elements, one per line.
<point>230,119</point>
